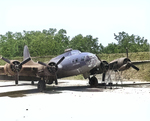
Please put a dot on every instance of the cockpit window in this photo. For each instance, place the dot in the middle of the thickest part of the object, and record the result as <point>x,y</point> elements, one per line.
<point>68,53</point>
<point>75,52</point>
<point>76,60</point>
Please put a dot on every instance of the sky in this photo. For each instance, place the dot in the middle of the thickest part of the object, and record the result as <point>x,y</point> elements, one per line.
<point>99,18</point>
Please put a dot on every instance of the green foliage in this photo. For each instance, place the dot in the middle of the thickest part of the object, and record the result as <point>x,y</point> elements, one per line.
<point>53,42</point>
<point>133,43</point>
<point>86,44</point>
<point>47,42</point>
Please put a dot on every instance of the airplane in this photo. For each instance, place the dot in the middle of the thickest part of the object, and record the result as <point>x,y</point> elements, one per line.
<point>70,63</point>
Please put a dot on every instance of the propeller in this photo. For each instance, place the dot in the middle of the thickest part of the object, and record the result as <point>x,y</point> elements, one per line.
<point>16,66</point>
<point>52,67</point>
<point>105,64</point>
<point>128,65</point>
<point>105,69</point>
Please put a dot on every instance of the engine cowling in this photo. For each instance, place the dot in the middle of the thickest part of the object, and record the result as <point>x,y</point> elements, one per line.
<point>102,68</point>
<point>12,68</point>
<point>52,68</point>
<point>49,70</point>
<point>122,61</point>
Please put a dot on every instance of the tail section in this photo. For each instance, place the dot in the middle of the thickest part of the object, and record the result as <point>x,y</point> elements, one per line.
<point>26,53</point>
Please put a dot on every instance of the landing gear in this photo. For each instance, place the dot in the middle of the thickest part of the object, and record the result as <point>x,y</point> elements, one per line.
<point>32,82</point>
<point>41,85</point>
<point>110,84</point>
<point>93,81</point>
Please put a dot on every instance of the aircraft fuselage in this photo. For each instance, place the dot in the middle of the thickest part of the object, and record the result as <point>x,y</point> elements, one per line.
<point>75,63</point>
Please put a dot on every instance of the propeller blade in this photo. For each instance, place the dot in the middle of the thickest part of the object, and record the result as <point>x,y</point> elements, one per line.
<point>42,63</point>
<point>25,61</point>
<point>103,76</point>
<point>136,68</point>
<point>60,60</point>
<point>6,60</point>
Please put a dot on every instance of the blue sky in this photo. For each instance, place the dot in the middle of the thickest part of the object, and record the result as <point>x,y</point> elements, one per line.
<point>99,18</point>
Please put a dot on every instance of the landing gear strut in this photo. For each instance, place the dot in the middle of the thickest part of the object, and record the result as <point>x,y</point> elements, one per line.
<point>41,85</point>
<point>93,81</point>
<point>32,82</point>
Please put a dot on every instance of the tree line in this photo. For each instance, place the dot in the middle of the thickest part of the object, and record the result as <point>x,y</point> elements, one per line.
<point>53,42</point>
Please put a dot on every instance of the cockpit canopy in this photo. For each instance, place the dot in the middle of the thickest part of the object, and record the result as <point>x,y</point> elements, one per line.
<point>74,52</point>
<point>69,52</point>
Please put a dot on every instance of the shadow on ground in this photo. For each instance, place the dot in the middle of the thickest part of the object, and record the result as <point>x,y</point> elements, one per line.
<point>59,89</point>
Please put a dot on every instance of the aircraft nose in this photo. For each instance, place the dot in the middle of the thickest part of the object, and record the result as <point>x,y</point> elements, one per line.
<point>91,60</point>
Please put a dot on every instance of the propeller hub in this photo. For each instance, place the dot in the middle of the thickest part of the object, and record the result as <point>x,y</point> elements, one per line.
<point>15,66</point>
<point>52,67</point>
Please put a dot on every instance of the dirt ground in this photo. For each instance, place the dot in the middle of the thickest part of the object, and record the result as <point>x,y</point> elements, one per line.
<point>74,100</point>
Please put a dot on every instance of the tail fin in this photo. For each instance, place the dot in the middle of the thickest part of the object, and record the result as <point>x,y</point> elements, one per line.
<point>26,53</point>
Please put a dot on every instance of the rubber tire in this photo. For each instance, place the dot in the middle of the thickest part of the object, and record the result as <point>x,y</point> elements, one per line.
<point>93,82</point>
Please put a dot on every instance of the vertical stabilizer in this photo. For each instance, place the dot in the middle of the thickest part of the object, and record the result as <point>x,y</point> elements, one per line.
<point>26,53</point>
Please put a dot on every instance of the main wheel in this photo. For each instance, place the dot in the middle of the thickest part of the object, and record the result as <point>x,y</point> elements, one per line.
<point>41,85</point>
<point>93,81</point>
<point>32,82</point>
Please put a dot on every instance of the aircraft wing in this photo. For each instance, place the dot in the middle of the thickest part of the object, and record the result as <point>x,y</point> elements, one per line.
<point>140,62</point>
<point>28,73</point>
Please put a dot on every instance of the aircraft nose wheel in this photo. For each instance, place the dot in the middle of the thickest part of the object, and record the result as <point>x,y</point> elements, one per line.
<point>41,85</point>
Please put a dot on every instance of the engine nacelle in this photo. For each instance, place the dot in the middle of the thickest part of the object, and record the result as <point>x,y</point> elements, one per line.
<point>49,70</point>
<point>122,61</point>
<point>10,69</point>
<point>116,64</point>
<point>53,67</point>
<point>102,68</point>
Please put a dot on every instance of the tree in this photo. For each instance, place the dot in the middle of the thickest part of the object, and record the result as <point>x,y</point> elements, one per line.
<point>134,43</point>
<point>88,44</point>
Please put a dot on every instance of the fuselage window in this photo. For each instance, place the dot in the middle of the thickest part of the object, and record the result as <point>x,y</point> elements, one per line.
<point>77,60</point>
<point>73,61</point>
<point>82,59</point>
